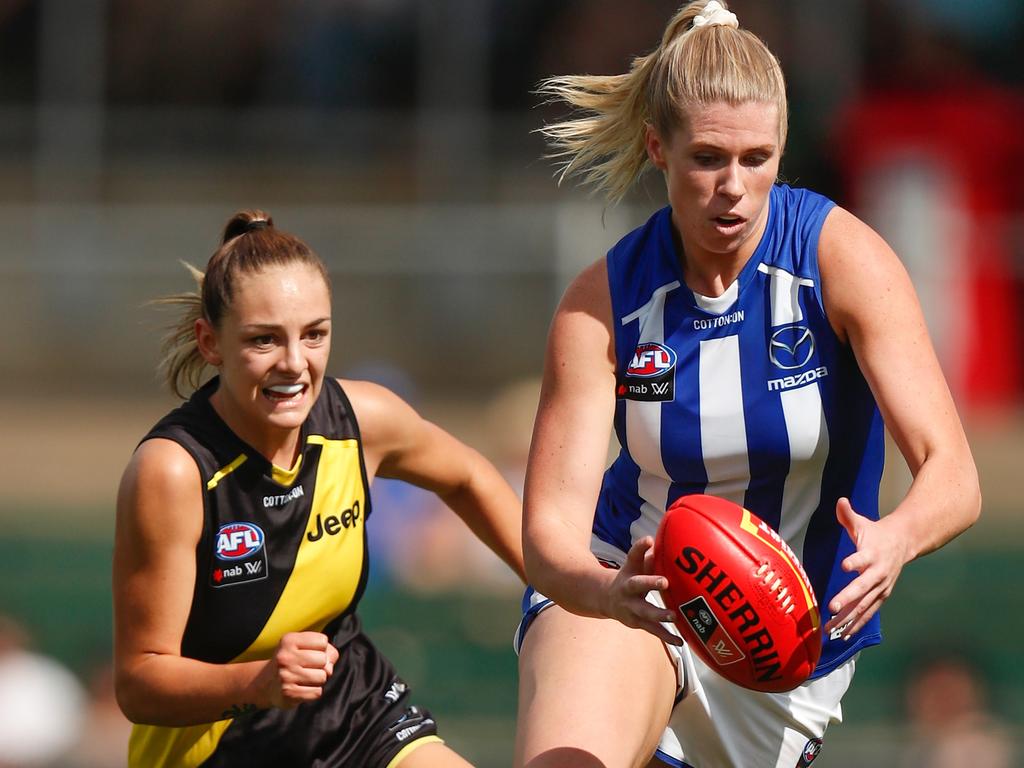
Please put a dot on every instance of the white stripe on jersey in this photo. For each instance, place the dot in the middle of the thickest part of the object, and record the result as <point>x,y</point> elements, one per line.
<point>784,299</point>
<point>808,449</point>
<point>643,425</point>
<point>805,421</point>
<point>723,430</point>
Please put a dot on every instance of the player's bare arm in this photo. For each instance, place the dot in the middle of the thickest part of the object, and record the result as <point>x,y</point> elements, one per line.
<point>398,443</point>
<point>567,458</point>
<point>872,305</point>
<point>159,518</point>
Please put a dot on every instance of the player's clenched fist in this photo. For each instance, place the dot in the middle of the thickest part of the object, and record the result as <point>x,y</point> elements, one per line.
<point>298,669</point>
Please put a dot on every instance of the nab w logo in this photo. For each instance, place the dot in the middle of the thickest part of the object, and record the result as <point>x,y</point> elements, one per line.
<point>650,376</point>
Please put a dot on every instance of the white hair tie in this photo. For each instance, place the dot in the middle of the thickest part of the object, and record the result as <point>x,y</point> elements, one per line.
<point>714,15</point>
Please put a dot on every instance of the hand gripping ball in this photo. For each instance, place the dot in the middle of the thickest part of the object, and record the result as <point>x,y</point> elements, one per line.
<point>743,602</point>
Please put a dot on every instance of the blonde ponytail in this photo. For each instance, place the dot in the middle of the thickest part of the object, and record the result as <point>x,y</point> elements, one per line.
<point>604,144</point>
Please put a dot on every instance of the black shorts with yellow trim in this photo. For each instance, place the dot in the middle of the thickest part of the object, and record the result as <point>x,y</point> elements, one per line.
<point>363,720</point>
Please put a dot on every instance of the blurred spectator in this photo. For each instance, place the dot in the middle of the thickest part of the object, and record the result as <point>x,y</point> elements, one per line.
<point>950,722</point>
<point>105,731</point>
<point>440,553</point>
<point>41,704</point>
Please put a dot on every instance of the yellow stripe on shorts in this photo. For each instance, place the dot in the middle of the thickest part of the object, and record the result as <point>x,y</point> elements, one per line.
<point>404,751</point>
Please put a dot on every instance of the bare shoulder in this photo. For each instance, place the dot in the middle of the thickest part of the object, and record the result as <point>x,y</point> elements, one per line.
<point>386,422</point>
<point>160,484</point>
<point>589,293</point>
<point>844,234</point>
<point>581,331</point>
<point>376,407</point>
<point>399,443</point>
<point>161,466</point>
<point>861,275</point>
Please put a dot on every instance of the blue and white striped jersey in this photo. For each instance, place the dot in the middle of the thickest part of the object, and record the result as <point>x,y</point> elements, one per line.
<point>749,396</point>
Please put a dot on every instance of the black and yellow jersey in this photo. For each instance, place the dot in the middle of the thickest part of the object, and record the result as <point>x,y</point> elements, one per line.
<point>281,550</point>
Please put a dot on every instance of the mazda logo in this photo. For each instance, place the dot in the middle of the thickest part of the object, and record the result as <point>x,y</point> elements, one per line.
<point>791,347</point>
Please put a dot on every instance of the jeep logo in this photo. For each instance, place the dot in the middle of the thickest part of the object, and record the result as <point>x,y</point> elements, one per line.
<point>332,524</point>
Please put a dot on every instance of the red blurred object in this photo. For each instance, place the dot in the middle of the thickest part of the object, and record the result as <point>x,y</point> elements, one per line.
<point>932,170</point>
<point>743,601</point>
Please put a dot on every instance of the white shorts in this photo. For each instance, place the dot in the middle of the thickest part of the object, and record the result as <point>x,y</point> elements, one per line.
<point>718,724</point>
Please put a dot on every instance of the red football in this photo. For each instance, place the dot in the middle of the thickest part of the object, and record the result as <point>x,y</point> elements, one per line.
<point>744,602</point>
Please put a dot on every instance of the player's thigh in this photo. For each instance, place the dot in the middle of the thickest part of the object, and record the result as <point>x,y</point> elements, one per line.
<point>432,755</point>
<point>592,692</point>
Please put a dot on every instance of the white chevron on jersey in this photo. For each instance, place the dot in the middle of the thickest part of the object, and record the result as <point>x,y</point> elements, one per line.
<point>785,301</point>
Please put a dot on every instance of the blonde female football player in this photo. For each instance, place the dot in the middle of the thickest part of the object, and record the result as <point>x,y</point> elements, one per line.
<point>747,342</point>
<point>240,553</point>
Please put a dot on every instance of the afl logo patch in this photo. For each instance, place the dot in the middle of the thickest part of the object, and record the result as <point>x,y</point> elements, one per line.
<point>241,548</point>
<point>236,541</point>
<point>651,360</point>
<point>650,375</point>
<point>791,347</point>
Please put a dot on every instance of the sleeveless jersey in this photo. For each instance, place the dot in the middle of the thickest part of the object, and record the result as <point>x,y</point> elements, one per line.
<point>749,396</point>
<point>280,551</point>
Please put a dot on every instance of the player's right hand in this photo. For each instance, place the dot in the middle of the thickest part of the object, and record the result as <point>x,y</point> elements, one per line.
<point>626,597</point>
<point>299,668</point>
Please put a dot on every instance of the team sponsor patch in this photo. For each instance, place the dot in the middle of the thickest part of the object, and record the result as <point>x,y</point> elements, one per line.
<point>798,380</point>
<point>703,621</point>
<point>650,375</point>
<point>791,347</point>
<point>240,555</point>
<point>335,524</point>
<point>811,750</point>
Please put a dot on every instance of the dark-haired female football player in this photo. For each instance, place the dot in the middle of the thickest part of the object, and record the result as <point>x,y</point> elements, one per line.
<point>746,343</point>
<point>240,552</point>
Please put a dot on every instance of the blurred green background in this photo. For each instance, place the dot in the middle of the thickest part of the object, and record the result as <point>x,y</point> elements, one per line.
<point>455,647</point>
<point>398,138</point>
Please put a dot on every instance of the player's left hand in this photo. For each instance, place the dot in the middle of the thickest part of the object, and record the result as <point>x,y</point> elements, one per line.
<point>879,559</point>
<point>626,596</point>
